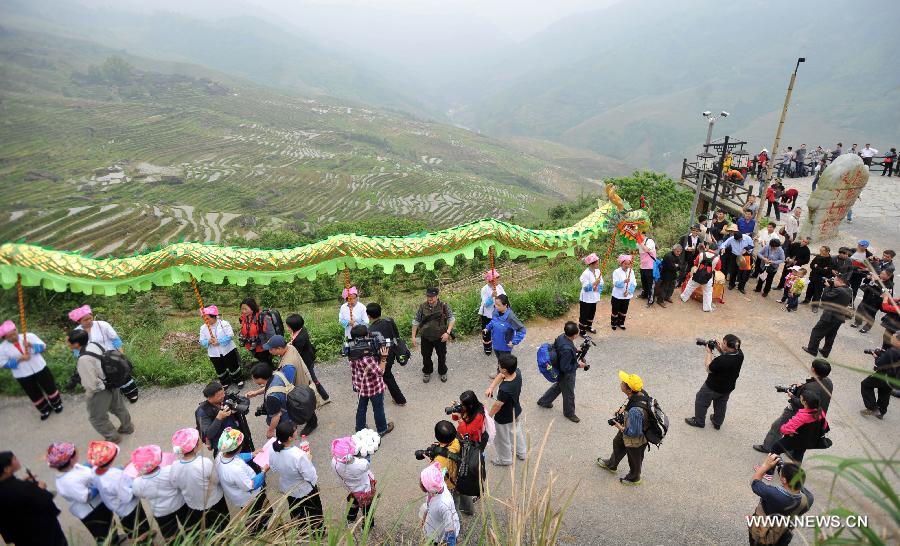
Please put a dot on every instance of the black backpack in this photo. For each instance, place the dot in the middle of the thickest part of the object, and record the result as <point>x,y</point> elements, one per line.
<point>274,317</point>
<point>704,271</point>
<point>115,365</point>
<point>301,400</point>
<point>657,422</point>
<point>470,473</point>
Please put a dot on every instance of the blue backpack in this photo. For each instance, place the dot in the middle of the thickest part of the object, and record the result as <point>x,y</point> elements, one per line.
<point>547,362</point>
<point>657,264</point>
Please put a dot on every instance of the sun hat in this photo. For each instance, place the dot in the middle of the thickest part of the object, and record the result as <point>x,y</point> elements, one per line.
<point>633,381</point>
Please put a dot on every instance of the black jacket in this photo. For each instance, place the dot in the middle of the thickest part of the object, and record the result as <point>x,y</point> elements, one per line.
<point>872,294</point>
<point>28,515</point>
<point>387,328</point>
<point>888,363</point>
<point>304,347</point>
<point>566,354</point>
<point>835,301</point>
<point>688,256</point>
<point>799,253</point>
<point>821,266</point>
<point>670,266</point>
<point>821,387</point>
<point>211,428</point>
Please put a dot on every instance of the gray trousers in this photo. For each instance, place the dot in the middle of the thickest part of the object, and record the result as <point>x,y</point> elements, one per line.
<point>719,402</point>
<point>100,405</point>
<point>565,385</point>
<point>464,503</point>
<point>774,433</point>
<point>510,436</point>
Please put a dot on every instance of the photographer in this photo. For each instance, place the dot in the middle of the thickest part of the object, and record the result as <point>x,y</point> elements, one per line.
<point>722,373</point>
<point>445,452</point>
<point>387,328</point>
<point>569,360</point>
<point>819,383</point>
<point>213,416</point>
<point>631,420</point>
<point>367,375</point>
<point>788,499</point>
<point>469,419</point>
<point>887,363</point>
<point>276,387</point>
<point>835,300</point>
<point>28,514</point>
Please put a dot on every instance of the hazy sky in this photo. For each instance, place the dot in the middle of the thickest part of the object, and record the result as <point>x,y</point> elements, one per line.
<point>518,19</point>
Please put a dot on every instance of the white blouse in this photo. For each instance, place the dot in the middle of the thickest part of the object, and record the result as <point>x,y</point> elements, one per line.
<point>195,480</point>
<point>102,333</point>
<point>589,277</point>
<point>236,479</point>
<point>359,316</point>
<point>160,491</point>
<point>488,310</point>
<point>355,476</point>
<point>75,486</point>
<point>222,330</point>
<point>24,368</point>
<point>441,516</point>
<point>114,486</point>
<point>619,277</point>
<point>296,473</point>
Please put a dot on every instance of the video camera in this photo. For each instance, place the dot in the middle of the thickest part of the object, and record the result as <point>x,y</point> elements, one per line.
<point>365,346</point>
<point>792,390</point>
<point>711,343</point>
<point>450,410</point>
<point>429,452</point>
<point>239,405</point>
<point>586,344</point>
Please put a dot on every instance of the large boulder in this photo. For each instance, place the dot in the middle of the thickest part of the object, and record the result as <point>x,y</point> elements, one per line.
<point>838,188</point>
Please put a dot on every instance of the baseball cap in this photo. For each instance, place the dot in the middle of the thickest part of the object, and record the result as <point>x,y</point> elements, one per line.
<point>275,342</point>
<point>863,243</point>
<point>431,291</point>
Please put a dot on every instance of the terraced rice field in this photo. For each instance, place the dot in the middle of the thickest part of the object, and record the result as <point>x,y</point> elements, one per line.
<point>118,176</point>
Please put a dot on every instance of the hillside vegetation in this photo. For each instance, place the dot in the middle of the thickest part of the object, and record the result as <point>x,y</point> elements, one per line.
<point>111,154</point>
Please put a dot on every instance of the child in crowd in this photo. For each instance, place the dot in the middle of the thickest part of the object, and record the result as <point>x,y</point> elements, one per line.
<point>440,521</point>
<point>297,476</point>
<point>354,472</point>
<point>154,484</point>
<point>114,486</point>
<point>75,484</point>
<point>793,287</point>
<point>240,483</point>
<point>193,476</point>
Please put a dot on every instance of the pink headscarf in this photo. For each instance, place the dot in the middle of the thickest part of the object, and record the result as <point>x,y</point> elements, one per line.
<point>591,258</point>
<point>59,454</point>
<point>432,477</point>
<point>185,440</point>
<point>7,327</point>
<point>343,449</point>
<point>625,258</point>
<point>491,275</point>
<point>212,311</point>
<point>146,458</point>
<point>76,315</point>
<point>349,292</point>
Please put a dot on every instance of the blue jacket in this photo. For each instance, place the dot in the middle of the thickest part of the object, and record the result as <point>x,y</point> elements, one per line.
<point>504,329</point>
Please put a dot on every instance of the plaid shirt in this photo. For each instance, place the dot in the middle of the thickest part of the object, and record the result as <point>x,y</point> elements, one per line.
<point>367,377</point>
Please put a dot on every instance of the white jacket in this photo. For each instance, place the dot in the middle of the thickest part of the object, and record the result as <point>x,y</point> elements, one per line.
<point>296,473</point>
<point>158,489</point>
<point>198,482</point>
<point>222,330</point>
<point>236,479</point>
<point>355,476</point>
<point>75,486</point>
<point>488,310</point>
<point>9,357</point>
<point>359,316</point>
<point>114,486</point>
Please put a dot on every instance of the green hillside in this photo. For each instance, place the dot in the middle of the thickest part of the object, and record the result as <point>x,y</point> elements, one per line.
<point>112,154</point>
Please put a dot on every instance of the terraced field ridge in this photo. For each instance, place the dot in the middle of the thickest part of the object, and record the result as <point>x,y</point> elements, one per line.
<point>109,154</point>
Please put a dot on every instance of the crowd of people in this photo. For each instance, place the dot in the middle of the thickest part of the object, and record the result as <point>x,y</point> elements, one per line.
<point>800,162</point>
<point>183,488</point>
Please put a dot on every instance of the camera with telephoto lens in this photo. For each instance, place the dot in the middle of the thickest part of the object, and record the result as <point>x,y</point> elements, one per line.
<point>130,391</point>
<point>260,411</point>
<point>829,281</point>
<point>238,405</point>
<point>779,464</point>
<point>711,343</point>
<point>792,390</point>
<point>361,347</point>
<point>620,418</point>
<point>457,408</point>
<point>874,352</point>
<point>427,452</point>
<point>586,344</point>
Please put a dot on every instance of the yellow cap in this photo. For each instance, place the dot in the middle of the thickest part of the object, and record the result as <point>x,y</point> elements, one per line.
<point>633,381</point>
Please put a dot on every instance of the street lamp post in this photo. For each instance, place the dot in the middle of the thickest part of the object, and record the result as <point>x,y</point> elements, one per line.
<point>769,168</point>
<point>705,163</point>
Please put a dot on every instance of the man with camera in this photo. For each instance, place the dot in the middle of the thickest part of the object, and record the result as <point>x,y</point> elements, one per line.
<point>569,359</point>
<point>819,383</point>
<point>445,451</point>
<point>368,357</point>
<point>220,411</point>
<point>835,299</point>
<point>277,385</point>
<point>388,329</point>
<point>434,321</point>
<point>631,421</point>
<point>788,499</point>
<point>722,373</point>
<point>887,363</point>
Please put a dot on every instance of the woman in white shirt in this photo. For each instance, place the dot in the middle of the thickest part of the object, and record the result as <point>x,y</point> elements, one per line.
<point>154,484</point>
<point>624,285</point>
<point>114,486</point>
<point>440,520</point>
<point>297,476</point>
<point>195,476</point>
<point>103,334</point>
<point>591,287</point>
<point>488,292</point>
<point>220,348</point>
<point>75,484</point>
<point>358,315</point>
<point>354,473</point>
<point>240,483</point>
<point>29,370</point>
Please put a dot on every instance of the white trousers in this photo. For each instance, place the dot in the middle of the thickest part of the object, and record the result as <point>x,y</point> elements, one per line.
<point>707,293</point>
<point>510,436</point>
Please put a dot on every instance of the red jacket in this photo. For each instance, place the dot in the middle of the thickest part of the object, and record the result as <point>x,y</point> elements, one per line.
<point>803,417</point>
<point>473,429</point>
